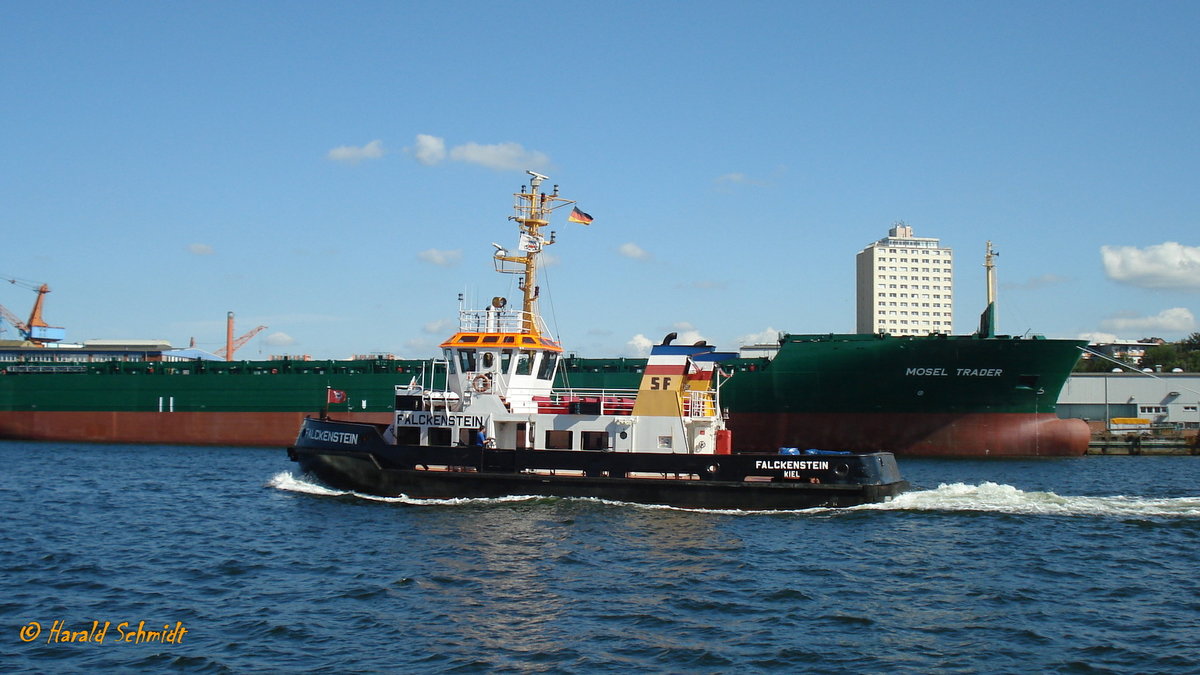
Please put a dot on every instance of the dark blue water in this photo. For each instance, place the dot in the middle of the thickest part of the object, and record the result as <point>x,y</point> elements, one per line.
<point>1089,565</point>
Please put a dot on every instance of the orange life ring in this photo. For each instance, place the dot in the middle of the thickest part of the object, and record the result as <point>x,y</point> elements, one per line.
<point>482,384</point>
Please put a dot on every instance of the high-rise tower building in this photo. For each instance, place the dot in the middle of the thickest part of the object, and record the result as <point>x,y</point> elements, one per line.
<point>905,285</point>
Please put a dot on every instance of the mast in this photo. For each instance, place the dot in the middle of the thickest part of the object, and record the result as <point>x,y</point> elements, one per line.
<point>989,264</point>
<point>987,321</point>
<point>533,210</point>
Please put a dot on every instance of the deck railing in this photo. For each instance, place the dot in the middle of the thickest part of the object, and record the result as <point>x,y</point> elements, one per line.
<point>617,402</point>
<point>494,320</point>
<point>587,401</point>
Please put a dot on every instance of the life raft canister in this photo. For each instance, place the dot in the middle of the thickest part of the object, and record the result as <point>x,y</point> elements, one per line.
<point>724,442</point>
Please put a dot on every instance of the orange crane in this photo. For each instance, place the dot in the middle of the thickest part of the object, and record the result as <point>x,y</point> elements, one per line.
<point>35,329</point>
<point>232,345</point>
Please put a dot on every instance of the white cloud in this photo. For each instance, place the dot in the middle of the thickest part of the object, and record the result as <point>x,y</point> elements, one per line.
<point>440,257</point>
<point>420,346</point>
<point>686,334</point>
<point>639,345</point>
<point>353,155</point>
<point>1174,320</point>
<point>279,340</point>
<point>200,249</point>
<point>511,156</point>
<point>430,150</point>
<point>632,250</point>
<point>439,327</point>
<point>768,336</point>
<point>1098,338</point>
<point>1166,265</point>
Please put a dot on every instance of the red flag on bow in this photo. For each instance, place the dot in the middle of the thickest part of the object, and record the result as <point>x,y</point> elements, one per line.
<point>335,396</point>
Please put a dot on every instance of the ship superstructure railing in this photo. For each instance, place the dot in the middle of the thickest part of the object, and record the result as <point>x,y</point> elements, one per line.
<point>618,402</point>
<point>702,403</point>
<point>502,320</point>
<point>587,401</point>
<point>433,376</point>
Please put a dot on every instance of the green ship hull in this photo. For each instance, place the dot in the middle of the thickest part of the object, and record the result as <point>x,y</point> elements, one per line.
<point>931,395</point>
<point>934,395</point>
<point>246,403</point>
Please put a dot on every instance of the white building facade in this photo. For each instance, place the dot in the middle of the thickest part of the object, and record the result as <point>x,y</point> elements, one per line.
<point>905,285</point>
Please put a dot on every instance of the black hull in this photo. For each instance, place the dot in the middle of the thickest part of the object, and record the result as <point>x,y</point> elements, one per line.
<point>355,457</point>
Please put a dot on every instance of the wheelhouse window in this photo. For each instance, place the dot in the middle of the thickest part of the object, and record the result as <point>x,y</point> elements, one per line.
<point>466,359</point>
<point>546,369</point>
<point>439,436</point>
<point>524,362</point>
<point>451,366</point>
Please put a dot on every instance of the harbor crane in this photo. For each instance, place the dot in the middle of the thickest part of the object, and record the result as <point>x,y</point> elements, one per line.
<point>232,345</point>
<point>35,329</point>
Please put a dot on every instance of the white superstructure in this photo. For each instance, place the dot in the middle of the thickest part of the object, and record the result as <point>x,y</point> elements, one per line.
<point>905,285</point>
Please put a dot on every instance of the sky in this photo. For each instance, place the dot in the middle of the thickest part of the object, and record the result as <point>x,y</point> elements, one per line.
<point>337,172</point>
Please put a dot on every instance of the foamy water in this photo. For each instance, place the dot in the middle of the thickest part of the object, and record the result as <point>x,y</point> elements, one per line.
<point>997,498</point>
<point>284,480</point>
<point>985,497</point>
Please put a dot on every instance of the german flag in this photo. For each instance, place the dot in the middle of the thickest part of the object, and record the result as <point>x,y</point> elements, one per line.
<point>578,216</point>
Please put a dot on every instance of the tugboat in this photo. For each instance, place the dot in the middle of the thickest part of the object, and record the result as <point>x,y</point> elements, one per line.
<point>499,428</point>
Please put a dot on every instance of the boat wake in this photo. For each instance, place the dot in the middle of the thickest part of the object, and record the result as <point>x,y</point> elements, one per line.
<point>284,480</point>
<point>993,497</point>
<point>986,497</point>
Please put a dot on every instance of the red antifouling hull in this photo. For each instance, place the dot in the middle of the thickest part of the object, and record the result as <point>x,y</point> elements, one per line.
<point>914,434</point>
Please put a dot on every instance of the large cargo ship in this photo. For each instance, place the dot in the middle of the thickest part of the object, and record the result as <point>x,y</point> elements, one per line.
<point>934,395</point>
<point>941,395</point>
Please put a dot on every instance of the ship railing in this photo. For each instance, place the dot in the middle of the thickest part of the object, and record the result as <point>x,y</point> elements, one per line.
<point>45,369</point>
<point>427,378</point>
<point>587,401</point>
<point>704,403</point>
<point>493,320</point>
<point>701,403</point>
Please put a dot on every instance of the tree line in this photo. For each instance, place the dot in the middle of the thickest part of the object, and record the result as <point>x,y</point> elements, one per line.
<point>1166,357</point>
